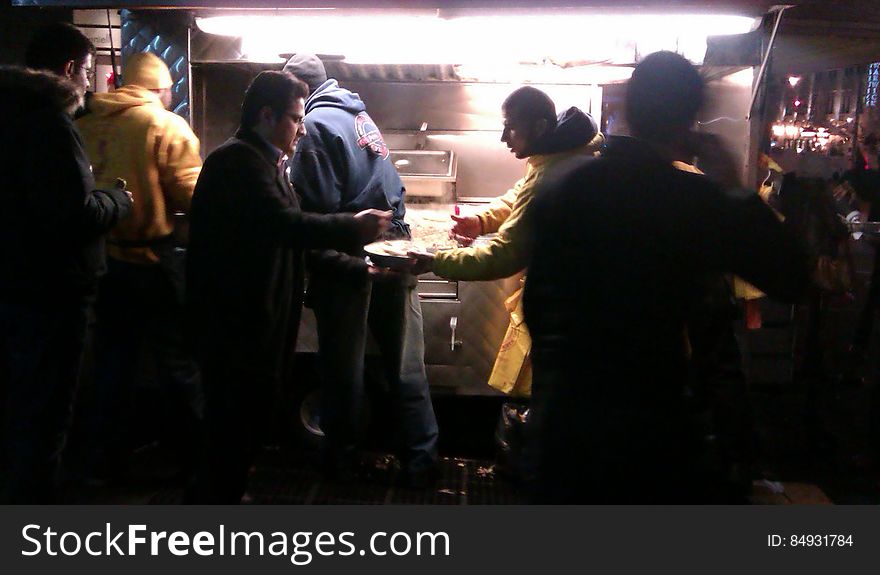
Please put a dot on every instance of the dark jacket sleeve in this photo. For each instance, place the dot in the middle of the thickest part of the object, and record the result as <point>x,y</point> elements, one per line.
<point>286,220</point>
<point>338,263</point>
<point>751,242</point>
<point>67,201</point>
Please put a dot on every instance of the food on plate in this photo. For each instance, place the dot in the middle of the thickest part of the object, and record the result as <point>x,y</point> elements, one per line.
<point>397,248</point>
<point>393,254</point>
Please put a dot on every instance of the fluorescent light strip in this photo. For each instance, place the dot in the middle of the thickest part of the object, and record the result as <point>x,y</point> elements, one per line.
<point>478,40</point>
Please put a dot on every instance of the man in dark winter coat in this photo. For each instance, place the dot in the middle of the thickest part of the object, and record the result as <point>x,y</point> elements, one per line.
<point>52,249</point>
<point>622,242</point>
<point>342,166</point>
<point>245,275</point>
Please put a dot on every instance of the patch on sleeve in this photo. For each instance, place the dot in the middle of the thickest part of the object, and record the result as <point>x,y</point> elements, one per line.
<point>369,136</point>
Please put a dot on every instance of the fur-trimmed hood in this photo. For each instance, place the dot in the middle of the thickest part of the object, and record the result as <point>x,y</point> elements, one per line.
<point>24,91</point>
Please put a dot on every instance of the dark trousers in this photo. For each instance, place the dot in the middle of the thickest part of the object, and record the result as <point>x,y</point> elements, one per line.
<point>596,436</point>
<point>139,309</point>
<point>391,311</point>
<point>41,349</point>
<point>239,410</point>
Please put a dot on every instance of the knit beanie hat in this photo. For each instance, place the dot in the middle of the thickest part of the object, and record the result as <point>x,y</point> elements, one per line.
<point>308,68</point>
<point>147,71</point>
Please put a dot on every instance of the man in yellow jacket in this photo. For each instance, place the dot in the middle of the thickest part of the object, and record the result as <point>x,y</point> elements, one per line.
<point>130,133</point>
<point>532,130</point>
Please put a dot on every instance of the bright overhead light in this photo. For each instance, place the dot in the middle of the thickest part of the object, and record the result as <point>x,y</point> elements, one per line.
<point>381,39</point>
<point>406,38</point>
<point>793,80</point>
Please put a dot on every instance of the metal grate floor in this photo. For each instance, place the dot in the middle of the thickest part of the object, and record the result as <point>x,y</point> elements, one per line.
<point>280,480</point>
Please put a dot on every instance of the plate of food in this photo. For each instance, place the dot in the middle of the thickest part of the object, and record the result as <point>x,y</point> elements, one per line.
<point>392,254</point>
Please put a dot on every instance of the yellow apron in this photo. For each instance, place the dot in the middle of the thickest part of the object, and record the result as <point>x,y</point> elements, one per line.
<point>512,373</point>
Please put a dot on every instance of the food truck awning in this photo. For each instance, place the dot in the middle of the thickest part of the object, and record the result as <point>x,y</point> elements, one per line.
<point>828,35</point>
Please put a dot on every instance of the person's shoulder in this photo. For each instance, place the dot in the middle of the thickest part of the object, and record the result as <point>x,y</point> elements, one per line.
<point>564,183</point>
<point>328,120</point>
<point>573,168</point>
<point>52,124</point>
<point>231,154</point>
<point>175,123</point>
<point>695,182</point>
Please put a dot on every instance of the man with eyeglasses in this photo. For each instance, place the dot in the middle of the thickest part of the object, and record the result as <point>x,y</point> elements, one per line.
<point>52,252</point>
<point>245,276</point>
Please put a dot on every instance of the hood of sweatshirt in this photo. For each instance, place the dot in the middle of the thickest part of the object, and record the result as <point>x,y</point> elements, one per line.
<point>574,128</point>
<point>330,95</point>
<point>109,103</point>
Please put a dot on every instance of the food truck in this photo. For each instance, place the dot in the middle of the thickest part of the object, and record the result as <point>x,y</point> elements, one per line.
<point>434,75</point>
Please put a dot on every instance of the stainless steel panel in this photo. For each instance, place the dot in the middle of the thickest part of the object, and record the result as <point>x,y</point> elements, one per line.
<point>485,169</point>
<point>438,316</point>
<point>438,289</point>
<point>482,324</point>
<point>462,117</point>
<point>427,173</point>
<point>424,163</point>
<point>453,106</point>
<point>724,114</point>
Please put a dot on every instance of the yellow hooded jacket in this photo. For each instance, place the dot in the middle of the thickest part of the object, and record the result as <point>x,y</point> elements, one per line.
<point>503,256</point>
<point>129,134</point>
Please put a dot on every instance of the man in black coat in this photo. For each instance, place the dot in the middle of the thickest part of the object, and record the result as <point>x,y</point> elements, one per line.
<point>622,244</point>
<point>52,253</point>
<point>245,275</point>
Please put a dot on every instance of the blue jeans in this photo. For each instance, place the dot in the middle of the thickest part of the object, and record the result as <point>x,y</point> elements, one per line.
<point>392,312</point>
<point>41,350</point>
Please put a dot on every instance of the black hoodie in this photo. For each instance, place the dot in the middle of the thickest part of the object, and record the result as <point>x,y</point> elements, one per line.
<point>573,129</point>
<point>52,219</point>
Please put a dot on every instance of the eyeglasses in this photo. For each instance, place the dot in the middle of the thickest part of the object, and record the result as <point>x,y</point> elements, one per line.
<point>90,73</point>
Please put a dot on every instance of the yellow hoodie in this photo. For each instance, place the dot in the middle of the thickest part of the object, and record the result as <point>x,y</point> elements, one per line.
<point>129,134</point>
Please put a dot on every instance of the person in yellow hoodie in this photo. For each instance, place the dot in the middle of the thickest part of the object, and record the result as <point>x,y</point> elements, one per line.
<point>130,133</point>
<point>532,130</point>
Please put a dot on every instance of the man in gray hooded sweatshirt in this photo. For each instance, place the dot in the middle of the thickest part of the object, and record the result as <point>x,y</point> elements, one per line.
<point>342,165</point>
